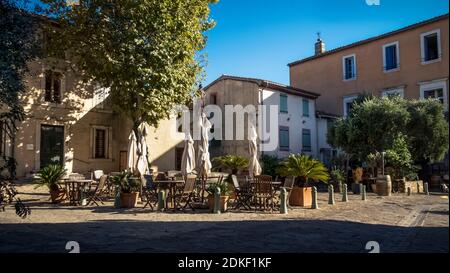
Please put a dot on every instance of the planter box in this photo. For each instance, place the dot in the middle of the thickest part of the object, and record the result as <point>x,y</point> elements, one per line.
<point>223,203</point>
<point>301,197</point>
<point>128,200</point>
<point>58,196</point>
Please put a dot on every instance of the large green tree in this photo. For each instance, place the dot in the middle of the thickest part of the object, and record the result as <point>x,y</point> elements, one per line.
<point>407,131</point>
<point>19,44</point>
<point>145,51</point>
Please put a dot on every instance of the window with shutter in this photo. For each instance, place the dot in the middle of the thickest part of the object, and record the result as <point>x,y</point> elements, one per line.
<point>100,143</point>
<point>306,140</point>
<point>284,138</point>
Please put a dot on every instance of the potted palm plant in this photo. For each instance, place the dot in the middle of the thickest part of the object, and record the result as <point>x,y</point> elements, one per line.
<point>305,169</point>
<point>128,189</point>
<point>231,163</point>
<point>49,176</point>
<point>225,190</point>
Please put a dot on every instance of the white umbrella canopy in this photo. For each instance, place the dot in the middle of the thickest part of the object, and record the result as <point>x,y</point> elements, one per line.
<point>188,158</point>
<point>204,162</point>
<point>254,167</point>
<point>132,152</point>
<point>142,151</point>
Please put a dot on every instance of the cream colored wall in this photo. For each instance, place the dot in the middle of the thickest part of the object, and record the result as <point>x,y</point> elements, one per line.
<point>77,114</point>
<point>324,75</point>
<point>162,142</point>
<point>231,92</point>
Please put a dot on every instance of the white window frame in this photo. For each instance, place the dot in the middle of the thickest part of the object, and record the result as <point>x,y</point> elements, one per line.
<point>354,68</point>
<point>436,84</point>
<point>394,91</point>
<point>346,100</point>
<point>397,49</point>
<point>422,46</point>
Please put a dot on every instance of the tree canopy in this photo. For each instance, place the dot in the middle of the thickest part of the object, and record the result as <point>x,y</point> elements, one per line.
<point>405,130</point>
<point>145,52</point>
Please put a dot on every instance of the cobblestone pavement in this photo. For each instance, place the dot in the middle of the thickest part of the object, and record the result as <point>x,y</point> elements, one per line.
<point>417,223</point>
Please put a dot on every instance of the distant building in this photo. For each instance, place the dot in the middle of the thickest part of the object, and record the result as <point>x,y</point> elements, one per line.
<point>411,62</point>
<point>297,132</point>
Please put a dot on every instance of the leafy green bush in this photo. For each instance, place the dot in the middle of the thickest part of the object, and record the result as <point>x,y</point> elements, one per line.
<point>126,183</point>
<point>225,188</point>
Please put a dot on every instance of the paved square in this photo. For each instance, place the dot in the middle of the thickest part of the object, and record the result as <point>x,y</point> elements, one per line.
<point>399,223</point>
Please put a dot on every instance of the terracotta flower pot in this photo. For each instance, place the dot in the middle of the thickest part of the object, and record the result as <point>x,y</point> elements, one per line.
<point>128,200</point>
<point>301,196</point>
<point>57,196</point>
<point>223,202</point>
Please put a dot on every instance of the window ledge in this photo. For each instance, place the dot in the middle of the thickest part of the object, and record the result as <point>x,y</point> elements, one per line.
<point>100,160</point>
<point>349,80</point>
<point>391,70</point>
<point>431,61</point>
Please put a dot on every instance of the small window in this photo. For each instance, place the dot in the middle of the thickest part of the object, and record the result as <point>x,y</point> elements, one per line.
<point>284,138</point>
<point>305,107</point>
<point>391,56</point>
<point>213,99</point>
<point>434,94</point>
<point>283,103</point>
<point>431,48</point>
<point>306,140</point>
<point>348,104</point>
<point>53,86</point>
<point>349,66</point>
<point>100,143</point>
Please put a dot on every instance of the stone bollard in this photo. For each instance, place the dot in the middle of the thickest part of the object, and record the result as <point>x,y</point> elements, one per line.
<point>408,191</point>
<point>425,188</point>
<point>331,195</point>
<point>117,199</point>
<point>217,201</point>
<point>363,193</point>
<point>344,193</point>
<point>314,199</point>
<point>283,201</point>
<point>161,200</point>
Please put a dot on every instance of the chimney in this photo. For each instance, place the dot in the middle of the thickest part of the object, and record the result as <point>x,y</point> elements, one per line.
<point>319,46</point>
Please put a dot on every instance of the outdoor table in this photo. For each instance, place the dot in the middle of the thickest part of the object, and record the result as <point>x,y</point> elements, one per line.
<point>171,185</point>
<point>74,189</point>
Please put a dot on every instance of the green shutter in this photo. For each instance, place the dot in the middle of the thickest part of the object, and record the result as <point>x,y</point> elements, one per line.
<point>283,103</point>
<point>284,138</point>
<point>306,139</point>
<point>305,108</point>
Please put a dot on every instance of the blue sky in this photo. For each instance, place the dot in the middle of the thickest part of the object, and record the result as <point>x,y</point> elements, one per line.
<point>258,38</point>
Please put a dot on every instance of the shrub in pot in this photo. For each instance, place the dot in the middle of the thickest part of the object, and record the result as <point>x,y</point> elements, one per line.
<point>338,176</point>
<point>50,176</point>
<point>225,191</point>
<point>128,189</point>
<point>305,169</point>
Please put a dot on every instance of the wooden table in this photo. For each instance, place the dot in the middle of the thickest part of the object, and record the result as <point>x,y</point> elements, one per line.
<point>74,189</point>
<point>171,185</point>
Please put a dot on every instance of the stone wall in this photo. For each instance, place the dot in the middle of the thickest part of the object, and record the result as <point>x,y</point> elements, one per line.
<point>403,185</point>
